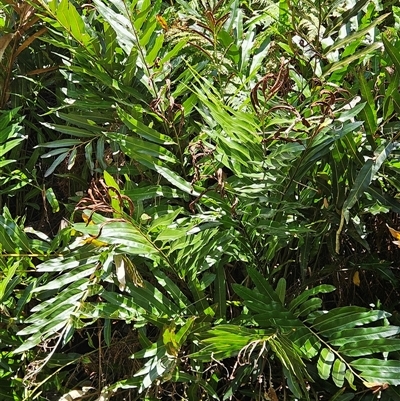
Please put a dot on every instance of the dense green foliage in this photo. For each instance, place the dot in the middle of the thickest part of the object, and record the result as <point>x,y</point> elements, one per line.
<point>194,199</point>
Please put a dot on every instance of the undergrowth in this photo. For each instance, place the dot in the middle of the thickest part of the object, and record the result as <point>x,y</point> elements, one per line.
<point>199,200</point>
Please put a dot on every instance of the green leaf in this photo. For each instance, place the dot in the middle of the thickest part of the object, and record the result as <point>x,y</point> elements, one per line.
<point>73,292</point>
<point>72,276</point>
<point>153,53</point>
<point>282,320</point>
<point>342,337</point>
<point>69,130</point>
<point>281,290</point>
<point>152,300</point>
<point>376,365</point>
<point>345,17</point>
<point>136,146</point>
<point>377,378</point>
<point>262,285</point>
<point>52,199</point>
<point>346,317</point>
<point>226,340</point>
<point>185,331</point>
<point>356,35</point>
<point>385,199</point>
<point>338,372</point>
<point>165,220</point>
<point>176,180</point>
<point>121,25</point>
<point>68,262</point>
<point>173,289</point>
<point>254,300</point>
<point>72,158</point>
<point>86,121</point>
<point>5,282</point>
<point>47,331</point>
<point>124,303</point>
<point>325,362</point>
<point>12,238</point>
<point>348,60</point>
<point>305,295</point>
<point>6,147</point>
<point>220,291</point>
<point>369,347</point>
<point>394,54</point>
<point>143,130</point>
<point>55,152</point>
<point>128,237</point>
<point>89,155</point>
<point>365,177</point>
<point>70,19</point>
<point>60,143</point>
<point>349,376</point>
<point>144,14</point>
<point>369,111</point>
<point>174,52</point>
<point>130,70</point>
<point>378,371</point>
<point>150,351</point>
<point>5,119</point>
<point>154,368</point>
<point>309,306</point>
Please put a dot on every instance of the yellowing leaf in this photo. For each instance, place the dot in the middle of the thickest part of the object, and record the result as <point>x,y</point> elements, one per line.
<point>375,386</point>
<point>4,42</point>
<point>169,340</point>
<point>395,234</point>
<point>124,269</point>
<point>144,218</point>
<point>272,394</point>
<point>162,22</point>
<point>119,262</point>
<point>356,278</point>
<point>95,242</point>
<point>86,219</point>
<point>75,394</point>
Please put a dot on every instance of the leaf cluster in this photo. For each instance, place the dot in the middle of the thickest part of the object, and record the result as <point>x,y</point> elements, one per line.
<point>234,160</point>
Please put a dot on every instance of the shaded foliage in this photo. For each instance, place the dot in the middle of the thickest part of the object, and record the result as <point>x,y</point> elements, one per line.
<point>224,171</point>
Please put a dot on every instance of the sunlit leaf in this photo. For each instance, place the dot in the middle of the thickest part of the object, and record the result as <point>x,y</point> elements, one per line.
<point>325,362</point>
<point>338,372</point>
